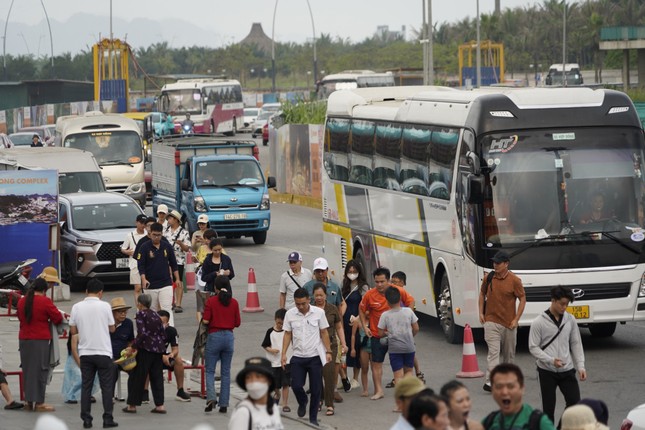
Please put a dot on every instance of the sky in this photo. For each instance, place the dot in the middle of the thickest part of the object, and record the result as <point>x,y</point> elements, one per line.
<point>224,22</point>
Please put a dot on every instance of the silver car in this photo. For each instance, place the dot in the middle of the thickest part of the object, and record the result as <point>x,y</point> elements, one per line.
<point>635,419</point>
<point>94,226</point>
<point>249,116</point>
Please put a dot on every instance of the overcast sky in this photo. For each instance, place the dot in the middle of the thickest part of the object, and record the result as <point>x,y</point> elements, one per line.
<point>229,21</point>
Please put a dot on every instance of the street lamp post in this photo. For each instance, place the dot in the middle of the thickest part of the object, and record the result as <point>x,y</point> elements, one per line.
<point>564,43</point>
<point>479,51</point>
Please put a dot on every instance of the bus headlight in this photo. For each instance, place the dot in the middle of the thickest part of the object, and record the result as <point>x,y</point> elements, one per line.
<point>136,188</point>
<point>266,203</point>
<point>641,288</point>
<point>200,205</point>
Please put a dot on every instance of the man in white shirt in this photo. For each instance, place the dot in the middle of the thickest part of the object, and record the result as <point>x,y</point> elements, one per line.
<point>306,326</point>
<point>93,321</point>
<point>128,246</point>
<point>293,279</point>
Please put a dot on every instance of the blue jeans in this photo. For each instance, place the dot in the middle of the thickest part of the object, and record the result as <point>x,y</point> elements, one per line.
<point>219,346</point>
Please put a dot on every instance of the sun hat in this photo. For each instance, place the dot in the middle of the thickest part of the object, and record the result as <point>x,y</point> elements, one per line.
<point>580,417</point>
<point>408,386</point>
<point>162,208</point>
<point>294,256</point>
<point>175,214</point>
<point>127,362</point>
<point>320,264</point>
<point>50,274</point>
<point>256,364</point>
<point>202,218</point>
<point>119,303</point>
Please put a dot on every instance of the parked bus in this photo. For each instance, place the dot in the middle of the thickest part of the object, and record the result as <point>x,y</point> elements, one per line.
<point>214,105</point>
<point>350,79</point>
<point>457,176</point>
<point>115,141</point>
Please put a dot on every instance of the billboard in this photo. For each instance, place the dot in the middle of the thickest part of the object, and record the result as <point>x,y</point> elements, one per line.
<point>28,206</point>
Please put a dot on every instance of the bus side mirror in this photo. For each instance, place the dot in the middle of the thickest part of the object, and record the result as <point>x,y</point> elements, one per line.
<point>475,189</point>
<point>185,185</point>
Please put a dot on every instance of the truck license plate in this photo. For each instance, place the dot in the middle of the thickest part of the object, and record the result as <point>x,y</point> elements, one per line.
<point>235,216</point>
<point>579,312</point>
<point>122,263</point>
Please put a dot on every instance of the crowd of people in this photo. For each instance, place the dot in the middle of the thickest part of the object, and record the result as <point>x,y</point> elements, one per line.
<point>321,331</point>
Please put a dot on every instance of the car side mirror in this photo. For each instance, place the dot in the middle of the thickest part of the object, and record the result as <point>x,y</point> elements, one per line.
<point>271,182</point>
<point>185,185</point>
<point>475,192</point>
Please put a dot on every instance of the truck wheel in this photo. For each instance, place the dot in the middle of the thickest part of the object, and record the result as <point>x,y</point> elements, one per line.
<point>452,332</point>
<point>260,237</point>
<point>602,329</point>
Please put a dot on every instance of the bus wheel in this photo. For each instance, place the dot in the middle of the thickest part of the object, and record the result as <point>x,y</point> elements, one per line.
<point>602,329</point>
<point>232,132</point>
<point>260,237</point>
<point>452,332</point>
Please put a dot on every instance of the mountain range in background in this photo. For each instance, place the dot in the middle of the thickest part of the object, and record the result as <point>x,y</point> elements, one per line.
<point>81,31</point>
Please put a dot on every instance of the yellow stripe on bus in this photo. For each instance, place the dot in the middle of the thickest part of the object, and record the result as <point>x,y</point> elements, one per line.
<point>397,245</point>
<point>340,203</point>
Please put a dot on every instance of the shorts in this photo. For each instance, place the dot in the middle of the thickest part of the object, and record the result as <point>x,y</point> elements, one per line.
<point>135,277</point>
<point>366,345</point>
<point>171,367</point>
<point>202,297</point>
<point>378,350</point>
<point>282,377</point>
<point>399,360</point>
<point>3,379</point>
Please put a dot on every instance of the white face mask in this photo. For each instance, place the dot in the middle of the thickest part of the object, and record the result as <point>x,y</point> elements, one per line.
<point>257,389</point>
<point>352,276</point>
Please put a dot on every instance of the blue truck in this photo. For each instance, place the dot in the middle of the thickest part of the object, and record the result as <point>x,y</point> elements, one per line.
<point>220,178</point>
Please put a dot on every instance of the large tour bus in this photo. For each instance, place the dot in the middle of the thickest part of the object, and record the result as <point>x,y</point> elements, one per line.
<point>434,181</point>
<point>214,105</point>
<point>351,79</point>
<point>115,141</point>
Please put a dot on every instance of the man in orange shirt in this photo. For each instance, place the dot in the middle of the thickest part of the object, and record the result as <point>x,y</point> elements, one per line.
<point>373,305</point>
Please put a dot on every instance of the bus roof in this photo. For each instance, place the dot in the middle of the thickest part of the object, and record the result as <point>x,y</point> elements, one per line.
<point>349,75</point>
<point>198,83</point>
<point>94,121</point>
<point>452,107</point>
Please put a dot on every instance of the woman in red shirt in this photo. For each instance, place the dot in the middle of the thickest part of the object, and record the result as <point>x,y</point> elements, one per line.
<point>35,312</point>
<point>221,315</point>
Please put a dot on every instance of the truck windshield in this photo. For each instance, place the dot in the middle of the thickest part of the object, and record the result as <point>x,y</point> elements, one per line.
<point>219,173</point>
<point>182,102</point>
<point>562,183</point>
<point>104,216</point>
<point>108,147</point>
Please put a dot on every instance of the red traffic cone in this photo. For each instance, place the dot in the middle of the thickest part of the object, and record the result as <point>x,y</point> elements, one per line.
<point>252,298</point>
<point>469,366</point>
<point>190,271</point>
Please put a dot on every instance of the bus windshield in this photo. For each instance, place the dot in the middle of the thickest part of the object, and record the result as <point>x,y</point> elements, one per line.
<point>182,101</point>
<point>108,147</point>
<point>560,185</point>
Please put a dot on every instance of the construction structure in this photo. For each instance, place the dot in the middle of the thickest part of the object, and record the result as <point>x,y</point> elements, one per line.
<point>626,39</point>
<point>492,63</point>
<point>111,73</point>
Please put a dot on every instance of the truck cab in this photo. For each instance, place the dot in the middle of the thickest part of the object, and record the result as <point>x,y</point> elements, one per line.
<point>571,74</point>
<point>222,179</point>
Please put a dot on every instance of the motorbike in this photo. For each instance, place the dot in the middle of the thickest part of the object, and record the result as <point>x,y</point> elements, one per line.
<point>187,129</point>
<point>14,276</point>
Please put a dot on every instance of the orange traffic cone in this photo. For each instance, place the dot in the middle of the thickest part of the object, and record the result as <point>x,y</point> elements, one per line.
<point>252,298</point>
<point>190,271</point>
<point>469,366</point>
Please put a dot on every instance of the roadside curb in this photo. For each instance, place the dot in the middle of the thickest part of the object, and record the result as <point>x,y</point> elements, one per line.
<point>294,199</point>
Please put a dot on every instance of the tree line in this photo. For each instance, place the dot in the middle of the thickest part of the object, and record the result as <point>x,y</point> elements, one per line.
<point>531,35</point>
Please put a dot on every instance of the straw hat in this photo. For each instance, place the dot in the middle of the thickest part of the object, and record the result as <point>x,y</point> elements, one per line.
<point>127,362</point>
<point>118,303</point>
<point>50,274</point>
<point>175,214</point>
<point>580,417</point>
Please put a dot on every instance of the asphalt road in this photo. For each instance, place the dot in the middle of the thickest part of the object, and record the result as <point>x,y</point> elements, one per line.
<point>613,364</point>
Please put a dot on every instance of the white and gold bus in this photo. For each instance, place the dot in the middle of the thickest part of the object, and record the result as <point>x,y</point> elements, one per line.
<point>434,181</point>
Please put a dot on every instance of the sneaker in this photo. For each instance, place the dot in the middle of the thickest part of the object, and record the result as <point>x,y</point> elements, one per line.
<point>346,385</point>
<point>487,388</point>
<point>356,384</point>
<point>182,396</point>
<point>146,397</point>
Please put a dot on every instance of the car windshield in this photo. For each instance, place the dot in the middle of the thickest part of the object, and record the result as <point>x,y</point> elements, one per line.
<point>228,173</point>
<point>21,139</point>
<point>250,112</point>
<point>108,147</point>
<point>88,182</point>
<point>104,216</point>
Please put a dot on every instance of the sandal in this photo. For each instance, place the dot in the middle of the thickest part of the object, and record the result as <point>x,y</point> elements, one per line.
<point>421,376</point>
<point>330,411</point>
<point>391,384</point>
<point>286,409</point>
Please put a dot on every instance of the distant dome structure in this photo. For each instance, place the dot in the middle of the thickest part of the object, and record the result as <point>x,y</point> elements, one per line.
<point>258,38</point>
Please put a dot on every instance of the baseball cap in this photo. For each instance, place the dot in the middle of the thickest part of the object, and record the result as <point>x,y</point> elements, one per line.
<point>408,386</point>
<point>501,257</point>
<point>294,256</point>
<point>202,218</point>
<point>162,208</point>
<point>142,218</point>
<point>320,264</point>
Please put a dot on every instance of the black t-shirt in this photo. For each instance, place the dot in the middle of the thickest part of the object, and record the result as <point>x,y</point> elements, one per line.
<point>172,338</point>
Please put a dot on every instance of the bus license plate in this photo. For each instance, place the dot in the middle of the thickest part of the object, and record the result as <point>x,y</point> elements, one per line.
<point>122,263</point>
<point>235,216</point>
<point>579,312</point>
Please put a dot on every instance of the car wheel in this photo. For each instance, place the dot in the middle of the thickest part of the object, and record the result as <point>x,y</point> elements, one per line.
<point>451,331</point>
<point>260,237</point>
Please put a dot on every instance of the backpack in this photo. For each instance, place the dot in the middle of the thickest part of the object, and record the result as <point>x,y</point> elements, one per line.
<point>534,420</point>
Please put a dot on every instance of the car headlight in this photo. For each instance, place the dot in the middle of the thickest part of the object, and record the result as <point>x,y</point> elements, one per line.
<point>86,242</point>
<point>136,188</point>
<point>266,202</point>
<point>641,288</point>
<point>200,205</point>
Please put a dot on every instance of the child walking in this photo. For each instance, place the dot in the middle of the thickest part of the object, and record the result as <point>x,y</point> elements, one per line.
<point>272,344</point>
